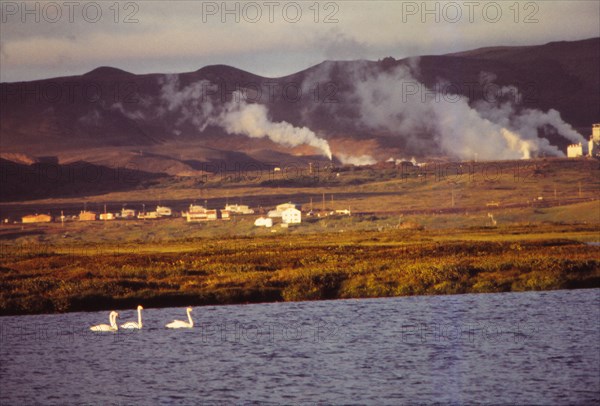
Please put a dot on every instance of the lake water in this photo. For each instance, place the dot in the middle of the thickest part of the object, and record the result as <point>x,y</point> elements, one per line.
<point>509,348</point>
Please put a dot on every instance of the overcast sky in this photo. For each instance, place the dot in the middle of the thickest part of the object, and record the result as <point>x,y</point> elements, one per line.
<point>270,38</point>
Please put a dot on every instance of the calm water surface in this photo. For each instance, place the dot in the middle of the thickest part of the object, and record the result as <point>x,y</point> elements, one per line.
<point>510,348</point>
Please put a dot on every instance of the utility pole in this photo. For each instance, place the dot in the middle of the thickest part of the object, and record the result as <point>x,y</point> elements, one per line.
<point>323,208</point>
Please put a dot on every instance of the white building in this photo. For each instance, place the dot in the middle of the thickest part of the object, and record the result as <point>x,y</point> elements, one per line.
<point>107,216</point>
<point>127,213</point>
<point>291,216</point>
<point>239,209</point>
<point>164,211</point>
<point>288,205</point>
<point>344,212</point>
<point>263,222</point>
<point>594,142</point>
<point>148,215</point>
<point>574,150</point>
<point>596,132</point>
<point>280,208</point>
<point>196,209</point>
<point>274,213</point>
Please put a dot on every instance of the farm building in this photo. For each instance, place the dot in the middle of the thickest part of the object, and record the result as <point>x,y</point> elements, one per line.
<point>225,215</point>
<point>239,209</point>
<point>205,215</point>
<point>285,206</point>
<point>149,215</point>
<point>87,216</point>
<point>291,216</point>
<point>127,213</point>
<point>107,216</point>
<point>36,218</point>
<point>280,208</point>
<point>164,211</point>
<point>196,208</point>
<point>274,213</point>
<point>263,222</point>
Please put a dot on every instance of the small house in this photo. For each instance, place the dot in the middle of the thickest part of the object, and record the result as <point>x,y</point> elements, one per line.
<point>239,209</point>
<point>285,206</point>
<point>107,216</point>
<point>150,215</point>
<point>127,214</point>
<point>201,215</point>
<point>164,211</point>
<point>36,218</point>
<point>263,222</point>
<point>291,216</point>
<point>87,216</point>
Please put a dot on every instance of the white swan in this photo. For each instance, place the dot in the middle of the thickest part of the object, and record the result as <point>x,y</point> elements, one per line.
<point>182,324</point>
<point>105,327</point>
<point>133,324</point>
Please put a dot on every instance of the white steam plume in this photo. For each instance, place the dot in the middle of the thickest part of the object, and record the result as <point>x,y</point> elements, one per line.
<point>236,116</point>
<point>430,121</point>
<point>252,120</point>
<point>191,102</point>
<point>355,160</point>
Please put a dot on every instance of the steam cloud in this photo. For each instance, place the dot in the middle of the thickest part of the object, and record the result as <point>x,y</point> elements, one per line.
<point>355,160</point>
<point>430,121</point>
<point>252,120</point>
<point>236,116</point>
<point>425,121</point>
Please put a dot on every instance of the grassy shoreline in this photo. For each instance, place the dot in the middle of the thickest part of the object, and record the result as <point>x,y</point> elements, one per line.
<point>316,266</point>
<point>447,228</point>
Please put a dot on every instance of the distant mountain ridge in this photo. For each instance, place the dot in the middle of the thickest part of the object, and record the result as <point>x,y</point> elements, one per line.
<point>111,108</point>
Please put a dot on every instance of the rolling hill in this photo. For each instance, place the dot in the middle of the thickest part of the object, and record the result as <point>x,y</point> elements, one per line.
<point>174,124</point>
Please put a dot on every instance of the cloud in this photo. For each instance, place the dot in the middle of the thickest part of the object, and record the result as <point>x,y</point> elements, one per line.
<point>173,37</point>
<point>337,45</point>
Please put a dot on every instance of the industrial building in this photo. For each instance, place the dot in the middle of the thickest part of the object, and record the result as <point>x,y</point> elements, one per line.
<point>591,148</point>
<point>575,150</point>
<point>594,142</point>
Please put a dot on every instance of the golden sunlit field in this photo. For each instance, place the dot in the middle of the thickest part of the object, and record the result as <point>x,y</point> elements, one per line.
<point>445,234</point>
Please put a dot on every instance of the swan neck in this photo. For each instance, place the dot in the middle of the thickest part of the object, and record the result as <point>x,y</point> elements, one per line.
<point>190,318</point>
